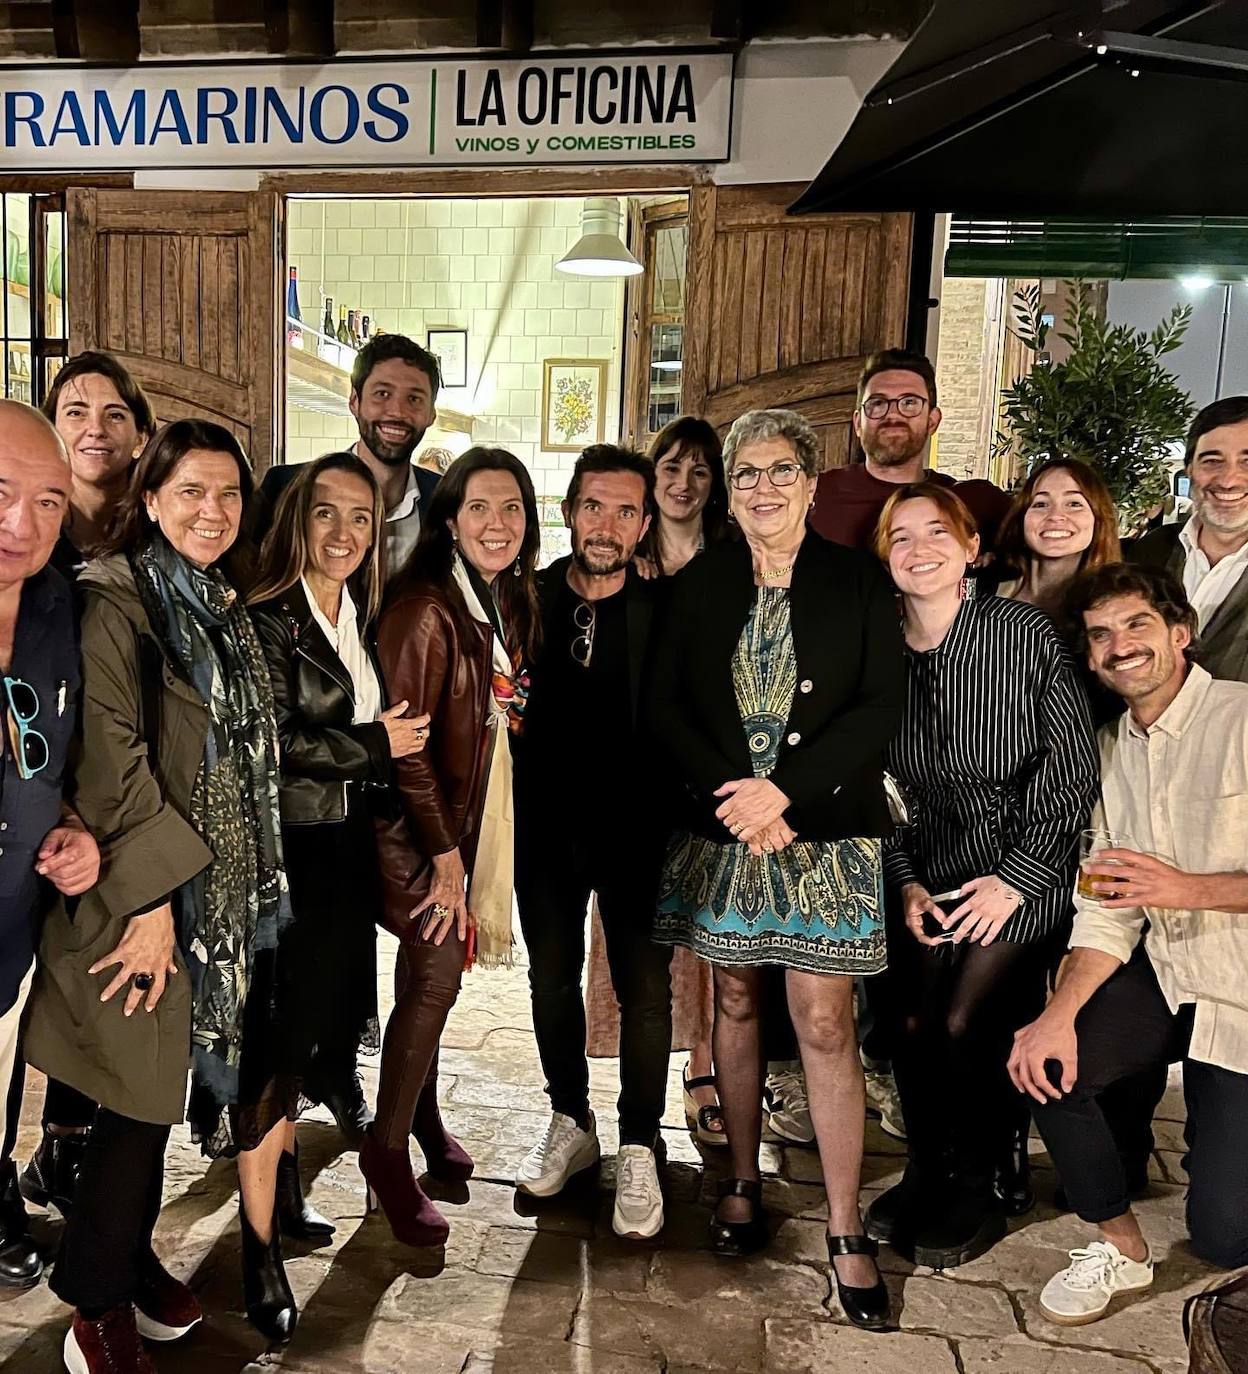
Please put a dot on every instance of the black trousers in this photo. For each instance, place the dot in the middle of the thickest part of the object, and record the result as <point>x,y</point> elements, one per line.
<point>554,880</point>
<point>108,1239</point>
<point>1126,1029</point>
<point>960,1006</point>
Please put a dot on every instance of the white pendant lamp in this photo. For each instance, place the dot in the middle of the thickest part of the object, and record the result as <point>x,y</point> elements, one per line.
<point>599,252</point>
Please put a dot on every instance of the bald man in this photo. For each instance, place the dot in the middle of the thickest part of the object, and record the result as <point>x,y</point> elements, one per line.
<point>43,844</point>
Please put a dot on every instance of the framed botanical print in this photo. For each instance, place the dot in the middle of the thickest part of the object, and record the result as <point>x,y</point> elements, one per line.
<point>574,403</point>
<point>451,349</point>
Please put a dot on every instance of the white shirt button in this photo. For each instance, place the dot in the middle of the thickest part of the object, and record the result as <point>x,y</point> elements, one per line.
<point>794,738</point>
<point>805,685</point>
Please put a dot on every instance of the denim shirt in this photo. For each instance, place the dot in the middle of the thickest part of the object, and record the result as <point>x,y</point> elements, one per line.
<point>45,654</point>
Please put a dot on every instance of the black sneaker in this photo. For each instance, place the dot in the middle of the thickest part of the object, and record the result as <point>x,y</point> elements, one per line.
<point>969,1225</point>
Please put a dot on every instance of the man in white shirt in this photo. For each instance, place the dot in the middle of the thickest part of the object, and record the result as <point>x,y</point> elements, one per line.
<point>394,390</point>
<point>1158,963</point>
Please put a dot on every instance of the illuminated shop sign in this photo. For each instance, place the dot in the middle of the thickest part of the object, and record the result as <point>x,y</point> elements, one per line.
<point>383,112</point>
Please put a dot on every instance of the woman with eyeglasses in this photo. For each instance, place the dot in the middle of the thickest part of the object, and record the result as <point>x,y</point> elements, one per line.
<point>778,684</point>
<point>460,624</point>
<point>998,764</point>
<point>691,514</point>
<point>170,961</point>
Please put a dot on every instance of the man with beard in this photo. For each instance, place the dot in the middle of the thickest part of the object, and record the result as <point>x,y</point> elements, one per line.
<point>1209,553</point>
<point>585,809</point>
<point>394,388</point>
<point>894,420</point>
<point>1158,962</point>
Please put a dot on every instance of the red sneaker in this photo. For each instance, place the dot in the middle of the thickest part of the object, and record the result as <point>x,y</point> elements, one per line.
<point>164,1309</point>
<point>109,1345</point>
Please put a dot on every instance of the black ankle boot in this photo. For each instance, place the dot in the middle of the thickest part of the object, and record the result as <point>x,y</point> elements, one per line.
<point>968,1225</point>
<point>51,1178</point>
<point>295,1214</point>
<point>351,1111</point>
<point>266,1292</point>
<point>20,1262</point>
<point>1013,1182</point>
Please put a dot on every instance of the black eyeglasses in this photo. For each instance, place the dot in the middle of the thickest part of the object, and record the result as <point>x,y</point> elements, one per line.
<point>585,618</point>
<point>778,474</point>
<point>30,748</point>
<point>876,407</point>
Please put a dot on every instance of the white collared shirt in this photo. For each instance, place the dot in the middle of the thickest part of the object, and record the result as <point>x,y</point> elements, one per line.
<point>346,641</point>
<point>1180,791</point>
<point>1208,585</point>
<point>402,523</point>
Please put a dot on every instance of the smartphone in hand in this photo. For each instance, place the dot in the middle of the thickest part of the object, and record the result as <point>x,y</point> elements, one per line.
<point>932,928</point>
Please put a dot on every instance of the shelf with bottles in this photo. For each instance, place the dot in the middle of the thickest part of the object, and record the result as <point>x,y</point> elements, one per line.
<point>19,376</point>
<point>316,383</point>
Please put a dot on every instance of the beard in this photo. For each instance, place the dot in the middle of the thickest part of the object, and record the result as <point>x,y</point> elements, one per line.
<point>1233,523</point>
<point>601,559</point>
<point>893,448</point>
<point>393,455</point>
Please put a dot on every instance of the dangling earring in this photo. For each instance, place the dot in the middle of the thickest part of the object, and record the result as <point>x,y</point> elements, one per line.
<point>515,572</point>
<point>966,588</point>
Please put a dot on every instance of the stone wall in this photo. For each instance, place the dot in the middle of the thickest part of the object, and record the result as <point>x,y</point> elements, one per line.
<point>967,374</point>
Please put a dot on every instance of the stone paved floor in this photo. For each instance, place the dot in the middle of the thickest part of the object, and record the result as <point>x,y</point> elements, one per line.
<point>527,1288</point>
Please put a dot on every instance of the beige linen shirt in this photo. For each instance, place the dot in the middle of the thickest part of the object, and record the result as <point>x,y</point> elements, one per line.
<point>1180,791</point>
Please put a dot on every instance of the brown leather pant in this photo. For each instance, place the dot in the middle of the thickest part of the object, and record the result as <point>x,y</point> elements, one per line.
<point>426,984</point>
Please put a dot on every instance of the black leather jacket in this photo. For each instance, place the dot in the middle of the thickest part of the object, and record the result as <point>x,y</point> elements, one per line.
<point>314,700</point>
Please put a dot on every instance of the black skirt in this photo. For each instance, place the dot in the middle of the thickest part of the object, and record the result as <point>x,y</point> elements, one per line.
<point>327,958</point>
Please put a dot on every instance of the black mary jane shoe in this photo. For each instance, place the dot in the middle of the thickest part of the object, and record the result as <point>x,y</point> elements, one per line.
<point>737,1238</point>
<point>865,1307</point>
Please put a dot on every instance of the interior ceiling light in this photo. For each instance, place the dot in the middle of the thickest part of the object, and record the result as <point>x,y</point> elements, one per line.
<point>599,252</point>
<point>1196,281</point>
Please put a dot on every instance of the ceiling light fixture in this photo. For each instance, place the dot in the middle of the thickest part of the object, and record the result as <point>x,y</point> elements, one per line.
<point>599,252</point>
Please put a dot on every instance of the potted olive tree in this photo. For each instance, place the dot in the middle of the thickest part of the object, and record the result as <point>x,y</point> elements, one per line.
<point>1111,401</point>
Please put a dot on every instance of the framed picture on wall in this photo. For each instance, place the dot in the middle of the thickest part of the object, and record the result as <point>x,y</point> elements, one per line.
<point>574,403</point>
<point>451,348</point>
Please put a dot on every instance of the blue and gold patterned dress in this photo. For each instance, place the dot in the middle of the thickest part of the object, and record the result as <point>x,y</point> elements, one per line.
<point>816,906</point>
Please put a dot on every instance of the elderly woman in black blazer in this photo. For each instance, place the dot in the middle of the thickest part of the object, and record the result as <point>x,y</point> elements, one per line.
<point>778,684</point>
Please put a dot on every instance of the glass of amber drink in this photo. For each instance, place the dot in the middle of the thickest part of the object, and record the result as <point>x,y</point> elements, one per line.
<point>1093,869</point>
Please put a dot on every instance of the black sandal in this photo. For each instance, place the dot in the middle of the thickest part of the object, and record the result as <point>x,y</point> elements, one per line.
<point>737,1238</point>
<point>865,1307</point>
<point>699,1119</point>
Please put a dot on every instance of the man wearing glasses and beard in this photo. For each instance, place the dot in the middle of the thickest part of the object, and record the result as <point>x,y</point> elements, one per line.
<point>584,824</point>
<point>43,844</point>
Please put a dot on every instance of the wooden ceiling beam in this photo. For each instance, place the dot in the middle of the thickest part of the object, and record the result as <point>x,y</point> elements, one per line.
<point>96,33</point>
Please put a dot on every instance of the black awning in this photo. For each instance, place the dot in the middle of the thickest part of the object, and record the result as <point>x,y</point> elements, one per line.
<point>1030,107</point>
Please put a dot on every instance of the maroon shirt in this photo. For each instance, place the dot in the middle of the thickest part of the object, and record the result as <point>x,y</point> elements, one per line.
<point>848,502</point>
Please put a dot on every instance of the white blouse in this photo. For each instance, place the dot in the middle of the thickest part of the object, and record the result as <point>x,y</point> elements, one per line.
<point>347,642</point>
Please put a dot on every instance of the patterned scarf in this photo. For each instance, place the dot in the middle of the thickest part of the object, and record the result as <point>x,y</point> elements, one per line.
<point>239,904</point>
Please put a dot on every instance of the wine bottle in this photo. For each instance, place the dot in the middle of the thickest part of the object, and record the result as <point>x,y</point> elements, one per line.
<point>353,327</point>
<point>294,316</point>
<point>343,336</point>
<point>326,346</point>
<point>364,330</point>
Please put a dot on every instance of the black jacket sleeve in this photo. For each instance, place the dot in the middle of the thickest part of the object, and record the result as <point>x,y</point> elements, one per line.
<point>350,753</point>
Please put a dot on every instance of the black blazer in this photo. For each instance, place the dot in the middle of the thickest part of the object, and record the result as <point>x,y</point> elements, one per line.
<point>847,707</point>
<point>314,700</point>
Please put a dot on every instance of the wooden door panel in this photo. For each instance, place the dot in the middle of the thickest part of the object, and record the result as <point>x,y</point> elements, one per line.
<point>783,310</point>
<point>183,288</point>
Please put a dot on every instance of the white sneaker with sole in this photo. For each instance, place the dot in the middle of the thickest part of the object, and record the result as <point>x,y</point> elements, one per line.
<point>884,1102</point>
<point>638,1198</point>
<point>1082,1292</point>
<point>787,1104</point>
<point>564,1150</point>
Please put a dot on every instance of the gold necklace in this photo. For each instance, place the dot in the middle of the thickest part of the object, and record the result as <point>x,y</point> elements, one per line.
<point>776,572</point>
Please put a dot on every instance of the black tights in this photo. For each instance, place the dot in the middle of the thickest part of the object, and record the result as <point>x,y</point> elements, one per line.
<point>961,1005</point>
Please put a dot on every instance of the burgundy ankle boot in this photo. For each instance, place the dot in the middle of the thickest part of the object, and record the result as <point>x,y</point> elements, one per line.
<point>445,1158</point>
<point>412,1216</point>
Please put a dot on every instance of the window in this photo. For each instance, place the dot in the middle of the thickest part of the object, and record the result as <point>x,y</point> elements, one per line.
<point>657,312</point>
<point>33,326</point>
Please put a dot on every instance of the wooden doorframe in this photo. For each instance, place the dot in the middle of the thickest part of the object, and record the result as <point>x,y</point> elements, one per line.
<point>639,312</point>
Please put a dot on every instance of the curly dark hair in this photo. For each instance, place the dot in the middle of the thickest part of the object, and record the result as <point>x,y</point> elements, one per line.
<point>1162,590</point>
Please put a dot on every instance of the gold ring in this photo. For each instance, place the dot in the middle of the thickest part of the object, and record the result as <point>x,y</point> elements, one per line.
<point>440,910</point>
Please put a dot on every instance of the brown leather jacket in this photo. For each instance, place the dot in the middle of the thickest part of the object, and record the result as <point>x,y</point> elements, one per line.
<point>438,659</point>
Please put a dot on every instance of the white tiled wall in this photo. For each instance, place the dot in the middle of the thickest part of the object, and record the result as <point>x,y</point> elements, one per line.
<point>482,265</point>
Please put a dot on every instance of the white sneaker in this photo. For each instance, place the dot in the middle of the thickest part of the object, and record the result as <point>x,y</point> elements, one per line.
<point>785,1096</point>
<point>564,1150</point>
<point>1083,1292</point>
<point>884,1102</point>
<point>638,1197</point>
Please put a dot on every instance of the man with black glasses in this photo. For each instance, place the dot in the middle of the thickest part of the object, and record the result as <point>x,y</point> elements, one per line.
<point>43,844</point>
<point>584,787</point>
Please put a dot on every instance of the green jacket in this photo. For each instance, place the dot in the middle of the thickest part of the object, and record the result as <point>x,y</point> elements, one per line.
<point>136,808</point>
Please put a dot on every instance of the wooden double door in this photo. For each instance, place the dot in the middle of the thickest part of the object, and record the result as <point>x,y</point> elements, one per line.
<point>184,288</point>
<point>783,311</point>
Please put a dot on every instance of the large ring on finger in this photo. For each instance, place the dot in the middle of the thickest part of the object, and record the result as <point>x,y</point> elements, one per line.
<point>143,981</point>
<point>441,911</point>
<point>768,849</point>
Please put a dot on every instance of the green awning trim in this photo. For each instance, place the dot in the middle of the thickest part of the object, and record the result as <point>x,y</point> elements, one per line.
<point>1091,248</point>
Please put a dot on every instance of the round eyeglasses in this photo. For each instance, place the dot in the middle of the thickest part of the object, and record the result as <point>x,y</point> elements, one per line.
<point>876,407</point>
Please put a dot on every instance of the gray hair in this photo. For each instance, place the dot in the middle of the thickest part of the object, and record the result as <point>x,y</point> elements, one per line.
<point>757,425</point>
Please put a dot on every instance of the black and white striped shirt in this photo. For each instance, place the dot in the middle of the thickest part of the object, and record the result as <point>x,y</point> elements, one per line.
<point>998,761</point>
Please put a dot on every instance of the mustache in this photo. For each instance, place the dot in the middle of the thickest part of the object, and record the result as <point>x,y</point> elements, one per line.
<point>1120,659</point>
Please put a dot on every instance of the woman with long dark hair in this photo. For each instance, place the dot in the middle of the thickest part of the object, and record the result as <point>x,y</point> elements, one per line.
<point>317,593</point>
<point>170,959</point>
<point>461,623</point>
